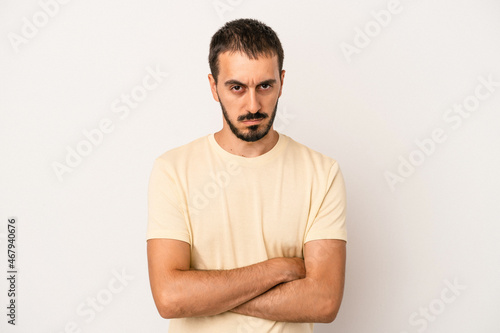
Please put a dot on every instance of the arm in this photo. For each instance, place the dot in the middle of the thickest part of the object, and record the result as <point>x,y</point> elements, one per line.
<point>181,292</point>
<point>316,298</point>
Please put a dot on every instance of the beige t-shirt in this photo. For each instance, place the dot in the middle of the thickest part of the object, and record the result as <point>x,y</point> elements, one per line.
<point>236,211</point>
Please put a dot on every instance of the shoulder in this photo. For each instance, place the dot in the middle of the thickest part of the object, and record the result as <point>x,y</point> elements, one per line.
<point>180,155</point>
<point>307,155</point>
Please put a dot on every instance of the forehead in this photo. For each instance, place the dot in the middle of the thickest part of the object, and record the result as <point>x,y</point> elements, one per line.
<point>237,65</point>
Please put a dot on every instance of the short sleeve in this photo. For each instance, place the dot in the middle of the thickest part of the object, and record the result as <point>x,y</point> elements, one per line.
<point>165,215</point>
<point>329,222</point>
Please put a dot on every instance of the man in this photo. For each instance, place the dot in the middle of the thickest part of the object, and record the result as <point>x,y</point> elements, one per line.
<point>246,227</point>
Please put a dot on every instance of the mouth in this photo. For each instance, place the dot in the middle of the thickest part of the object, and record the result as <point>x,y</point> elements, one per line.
<point>252,122</point>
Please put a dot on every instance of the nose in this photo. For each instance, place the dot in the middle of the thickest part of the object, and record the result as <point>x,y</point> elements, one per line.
<point>253,103</point>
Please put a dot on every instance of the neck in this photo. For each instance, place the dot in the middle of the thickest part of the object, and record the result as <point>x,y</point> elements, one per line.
<point>230,143</point>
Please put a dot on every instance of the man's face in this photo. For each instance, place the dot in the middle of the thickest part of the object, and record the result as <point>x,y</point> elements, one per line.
<point>248,91</point>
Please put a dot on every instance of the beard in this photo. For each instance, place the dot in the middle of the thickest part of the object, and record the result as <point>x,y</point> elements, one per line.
<point>254,133</point>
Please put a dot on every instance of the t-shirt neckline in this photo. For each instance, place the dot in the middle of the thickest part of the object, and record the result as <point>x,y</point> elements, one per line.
<point>250,161</point>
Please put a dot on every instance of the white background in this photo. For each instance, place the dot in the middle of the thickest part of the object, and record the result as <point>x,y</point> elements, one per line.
<point>406,243</point>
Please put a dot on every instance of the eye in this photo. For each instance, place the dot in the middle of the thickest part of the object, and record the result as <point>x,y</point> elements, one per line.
<point>265,86</point>
<point>237,88</point>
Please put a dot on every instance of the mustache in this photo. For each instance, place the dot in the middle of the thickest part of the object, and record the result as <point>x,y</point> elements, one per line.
<point>253,116</point>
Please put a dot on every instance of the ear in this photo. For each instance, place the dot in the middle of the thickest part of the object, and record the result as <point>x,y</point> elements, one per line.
<point>282,79</point>
<point>213,87</point>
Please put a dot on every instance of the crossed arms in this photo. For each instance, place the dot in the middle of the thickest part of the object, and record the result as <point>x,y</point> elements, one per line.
<point>280,289</point>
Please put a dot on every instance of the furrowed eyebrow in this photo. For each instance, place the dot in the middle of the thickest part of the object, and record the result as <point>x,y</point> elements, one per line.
<point>271,81</point>
<point>235,82</point>
<point>238,83</point>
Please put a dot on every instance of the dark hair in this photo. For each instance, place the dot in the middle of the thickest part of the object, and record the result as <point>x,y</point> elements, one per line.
<point>249,36</point>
